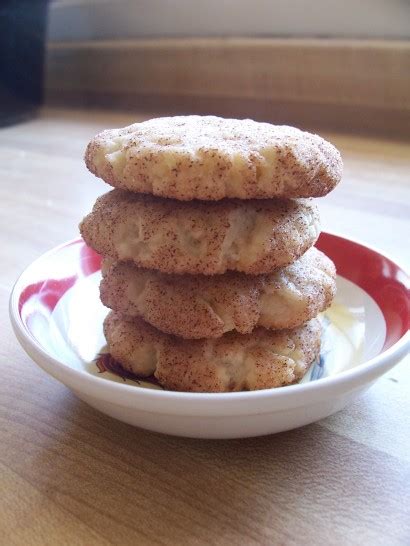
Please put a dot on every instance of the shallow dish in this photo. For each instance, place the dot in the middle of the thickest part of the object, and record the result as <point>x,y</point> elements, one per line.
<point>57,317</point>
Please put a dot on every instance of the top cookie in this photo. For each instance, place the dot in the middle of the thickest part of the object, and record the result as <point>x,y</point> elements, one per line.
<point>210,158</point>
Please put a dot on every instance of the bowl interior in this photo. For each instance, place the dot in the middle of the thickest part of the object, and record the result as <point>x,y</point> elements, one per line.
<point>383,280</point>
<point>57,304</point>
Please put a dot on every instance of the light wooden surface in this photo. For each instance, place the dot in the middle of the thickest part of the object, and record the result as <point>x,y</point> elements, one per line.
<point>70,475</point>
<point>360,83</point>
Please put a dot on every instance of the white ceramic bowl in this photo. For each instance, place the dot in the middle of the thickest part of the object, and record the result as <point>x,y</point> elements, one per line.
<point>57,317</point>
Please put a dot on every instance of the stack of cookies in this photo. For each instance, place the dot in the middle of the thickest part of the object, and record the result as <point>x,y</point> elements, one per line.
<point>207,244</point>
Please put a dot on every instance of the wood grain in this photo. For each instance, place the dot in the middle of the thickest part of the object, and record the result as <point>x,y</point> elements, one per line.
<point>70,475</point>
<point>361,82</point>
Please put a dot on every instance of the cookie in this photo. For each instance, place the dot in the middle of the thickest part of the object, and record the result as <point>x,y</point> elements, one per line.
<point>198,306</point>
<point>234,362</point>
<point>195,237</point>
<point>210,158</point>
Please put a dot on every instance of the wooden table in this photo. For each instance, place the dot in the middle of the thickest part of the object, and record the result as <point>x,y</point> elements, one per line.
<point>70,475</point>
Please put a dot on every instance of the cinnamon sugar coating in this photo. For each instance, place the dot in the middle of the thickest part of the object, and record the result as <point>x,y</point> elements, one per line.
<point>210,158</point>
<point>171,236</point>
<point>261,360</point>
<point>198,306</point>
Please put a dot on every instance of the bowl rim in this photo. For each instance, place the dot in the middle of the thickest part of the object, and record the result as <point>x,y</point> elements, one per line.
<point>174,402</point>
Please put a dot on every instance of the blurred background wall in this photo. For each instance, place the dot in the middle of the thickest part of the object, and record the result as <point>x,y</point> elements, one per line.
<point>316,64</point>
<point>112,19</point>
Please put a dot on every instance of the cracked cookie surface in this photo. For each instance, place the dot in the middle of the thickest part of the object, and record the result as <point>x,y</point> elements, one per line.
<point>261,360</point>
<point>256,236</point>
<point>210,158</point>
<point>199,306</point>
